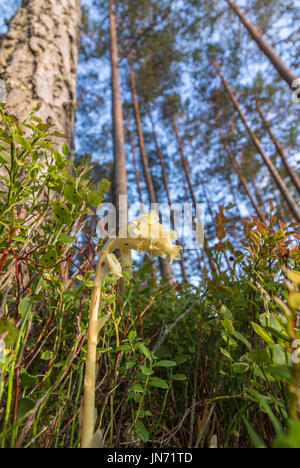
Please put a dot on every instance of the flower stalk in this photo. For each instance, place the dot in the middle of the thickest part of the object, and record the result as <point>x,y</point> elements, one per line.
<point>144,234</point>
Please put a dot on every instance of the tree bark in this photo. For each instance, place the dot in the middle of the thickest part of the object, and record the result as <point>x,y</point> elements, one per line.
<point>119,182</point>
<point>279,147</point>
<point>137,116</point>
<point>167,189</point>
<point>166,268</point>
<point>294,208</point>
<point>285,72</point>
<point>38,61</point>
<point>136,171</point>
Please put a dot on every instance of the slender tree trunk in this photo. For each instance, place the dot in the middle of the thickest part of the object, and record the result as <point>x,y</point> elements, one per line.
<point>136,170</point>
<point>210,210</point>
<point>119,169</point>
<point>248,191</point>
<point>166,267</point>
<point>186,169</point>
<point>138,183</point>
<point>166,185</point>
<point>242,179</point>
<point>232,191</point>
<point>258,196</point>
<point>185,163</point>
<point>137,116</point>
<point>38,61</point>
<point>273,171</point>
<point>290,170</point>
<point>226,147</point>
<point>285,72</point>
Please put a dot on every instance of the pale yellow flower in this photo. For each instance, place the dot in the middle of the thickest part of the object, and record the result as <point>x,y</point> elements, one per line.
<point>146,234</point>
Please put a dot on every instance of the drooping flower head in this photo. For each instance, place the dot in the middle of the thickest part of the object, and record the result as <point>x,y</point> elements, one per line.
<point>144,234</point>
<point>150,236</point>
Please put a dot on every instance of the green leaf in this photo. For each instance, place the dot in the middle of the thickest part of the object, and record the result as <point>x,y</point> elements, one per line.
<point>260,356</point>
<point>262,333</point>
<point>146,370</point>
<point>72,195</point>
<point>137,388</point>
<point>160,383</point>
<point>291,439</point>
<point>61,213</point>
<point>145,351</point>
<point>95,197</point>
<point>226,312</point>
<point>142,431</point>
<point>241,338</point>
<point>25,143</point>
<point>132,336</point>
<point>28,380</point>
<point>277,334</point>
<point>25,406</point>
<point>64,239</point>
<point>280,372</point>
<point>24,306</point>
<point>104,185</point>
<point>124,347</point>
<point>179,377</point>
<point>60,162</point>
<point>65,149</point>
<point>9,330</point>
<point>47,355</point>
<point>240,367</point>
<point>256,440</point>
<point>227,324</point>
<point>165,364</point>
<point>226,354</point>
<point>294,300</point>
<point>49,258</point>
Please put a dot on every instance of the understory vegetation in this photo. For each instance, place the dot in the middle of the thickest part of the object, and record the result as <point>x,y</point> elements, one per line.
<point>215,365</point>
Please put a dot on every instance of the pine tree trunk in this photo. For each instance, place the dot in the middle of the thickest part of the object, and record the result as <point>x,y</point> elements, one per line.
<point>211,213</point>
<point>258,196</point>
<point>144,159</point>
<point>290,170</point>
<point>232,191</point>
<point>186,169</point>
<point>38,61</point>
<point>184,162</point>
<point>166,268</point>
<point>166,185</point>
<point>248,191</point>
<point>284,71</point>
<point>136,171</point>
<point>138,183</point>
<point>226,147</point>
<point>119,182</point>
<point>294,208</point>
<point>242,179</point>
